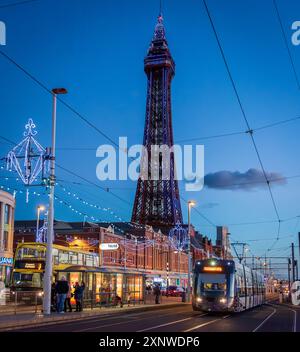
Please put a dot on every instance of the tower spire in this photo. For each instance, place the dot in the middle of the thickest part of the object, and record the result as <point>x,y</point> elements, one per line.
<point>157,201</point>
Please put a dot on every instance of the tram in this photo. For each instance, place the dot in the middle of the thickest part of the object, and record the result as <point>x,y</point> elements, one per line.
<point>226,286</point>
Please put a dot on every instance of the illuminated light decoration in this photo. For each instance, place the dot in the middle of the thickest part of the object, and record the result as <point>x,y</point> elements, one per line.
<point>178,237</point>
<point>28,158</point>
<point>218,269</point>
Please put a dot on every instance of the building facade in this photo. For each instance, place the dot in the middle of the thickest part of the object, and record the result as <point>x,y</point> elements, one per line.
<point>7,209</point>
<point>144,256</point>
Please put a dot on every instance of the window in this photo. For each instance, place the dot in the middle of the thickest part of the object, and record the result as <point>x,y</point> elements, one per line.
<point>80,259</point>
<point>6,226</point>
<point>31,253</point>
<point>63,257</point>
<point>28,280</point>
<point>212,283</point>
<point>73,258</point>
<point>89,260</point>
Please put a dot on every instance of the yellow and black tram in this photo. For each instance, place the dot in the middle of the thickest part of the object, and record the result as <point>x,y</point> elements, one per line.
<point>225,285</point>
<point>102,284</point>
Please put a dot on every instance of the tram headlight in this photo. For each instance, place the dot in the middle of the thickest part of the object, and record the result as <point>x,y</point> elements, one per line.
<point>223,300</point>
<point>199,299</point>
<point>40,294</point>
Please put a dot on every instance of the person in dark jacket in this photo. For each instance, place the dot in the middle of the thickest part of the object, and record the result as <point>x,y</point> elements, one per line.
<point>157,293</point>
<point>53,297</point>
<point>68,301</point>
<point>78,295</point>
<point>61,288</point>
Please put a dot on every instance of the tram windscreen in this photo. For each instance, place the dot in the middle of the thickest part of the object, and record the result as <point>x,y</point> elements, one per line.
<point>28,280</point>
<point>211,283</point>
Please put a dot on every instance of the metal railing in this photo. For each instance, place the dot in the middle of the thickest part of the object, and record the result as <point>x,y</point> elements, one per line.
<point>22,302</point>
<point>112,299</point>
<point>18,302</point>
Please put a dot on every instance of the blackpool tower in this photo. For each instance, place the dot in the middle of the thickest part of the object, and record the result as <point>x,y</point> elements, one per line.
<point>157,201</point>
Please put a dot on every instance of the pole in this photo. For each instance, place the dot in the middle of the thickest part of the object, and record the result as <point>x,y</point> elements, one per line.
<point>48,268</point>
<point>299,252</point>
<point>189,255</point>
<point>37,224</point>
<point>293,263</point>
<point>289,273</point>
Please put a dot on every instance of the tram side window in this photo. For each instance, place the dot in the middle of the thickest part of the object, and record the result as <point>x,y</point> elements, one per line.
<point>89,260</point>
<point>55,256</point>
<point>73,258</point>
<point>63,257</point>
<point>80,259</point>
<point>242,291</point>
<point>254,283</point>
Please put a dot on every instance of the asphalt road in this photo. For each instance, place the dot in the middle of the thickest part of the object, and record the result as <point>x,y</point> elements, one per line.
<point>268,318</point>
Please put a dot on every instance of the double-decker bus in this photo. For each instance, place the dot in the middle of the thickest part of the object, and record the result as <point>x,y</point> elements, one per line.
<point>225,285</point>
<point>29,268</point>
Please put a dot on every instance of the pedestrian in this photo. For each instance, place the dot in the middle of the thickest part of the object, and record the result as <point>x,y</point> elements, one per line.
<point>68,301</point>
<point>61,288</point>
<point>53,297</point>
<point>118,300</point>
<point>157,293</point>
<point>78,294</point>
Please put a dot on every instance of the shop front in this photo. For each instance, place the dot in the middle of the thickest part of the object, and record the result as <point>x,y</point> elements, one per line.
<point>6,264</point>
<point>104,288</point>
<point>7,209</point>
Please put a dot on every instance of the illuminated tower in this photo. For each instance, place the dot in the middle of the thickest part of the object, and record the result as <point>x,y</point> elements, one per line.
<point>157,202</point>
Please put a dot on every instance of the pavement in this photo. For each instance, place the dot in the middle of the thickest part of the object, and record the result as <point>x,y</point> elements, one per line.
<point>22,318</point>
<point>181,318</point>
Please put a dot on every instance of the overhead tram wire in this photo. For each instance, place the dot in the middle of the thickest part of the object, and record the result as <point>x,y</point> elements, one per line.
<point>286,44</point>
<point>199,213</point>
<point>229,134</point>
<point>215,136</point>
<point>93,183</point>
<point>68,106</point>
<point>250,131</point>
<point>80,177</point>
<point>14,4</point>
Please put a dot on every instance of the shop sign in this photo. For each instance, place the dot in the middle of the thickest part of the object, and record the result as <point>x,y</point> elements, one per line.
<point>6,261</point>
<point>109,246</point>
<point>158,279</point>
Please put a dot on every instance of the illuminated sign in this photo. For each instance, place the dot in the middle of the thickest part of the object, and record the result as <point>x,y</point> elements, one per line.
<point>6,261</point>
<point>217,269</point>
<point>109,246</point>
<point>30,265</point>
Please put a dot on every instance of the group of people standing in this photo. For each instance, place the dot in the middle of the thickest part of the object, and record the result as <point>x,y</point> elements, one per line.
<point>61,295</point>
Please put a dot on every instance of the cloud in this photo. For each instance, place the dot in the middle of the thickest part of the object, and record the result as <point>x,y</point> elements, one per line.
<point>249,180</point>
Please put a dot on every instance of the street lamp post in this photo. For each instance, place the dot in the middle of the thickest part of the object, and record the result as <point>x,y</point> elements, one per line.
<point>48,268</point>
<point>39,209</point>
<point>190,205</point>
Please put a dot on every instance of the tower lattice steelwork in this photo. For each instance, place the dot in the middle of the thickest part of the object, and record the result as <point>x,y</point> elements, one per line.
<point>157,202</point>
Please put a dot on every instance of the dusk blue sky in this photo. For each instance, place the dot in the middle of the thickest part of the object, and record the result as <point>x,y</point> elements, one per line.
<point>96,48</point>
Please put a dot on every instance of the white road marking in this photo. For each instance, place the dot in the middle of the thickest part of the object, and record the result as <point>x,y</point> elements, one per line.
<point>295,320</point>
<point>265,320</point>
<point>123,322</point>
<point>201,325</point>
<point>170,323</point>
